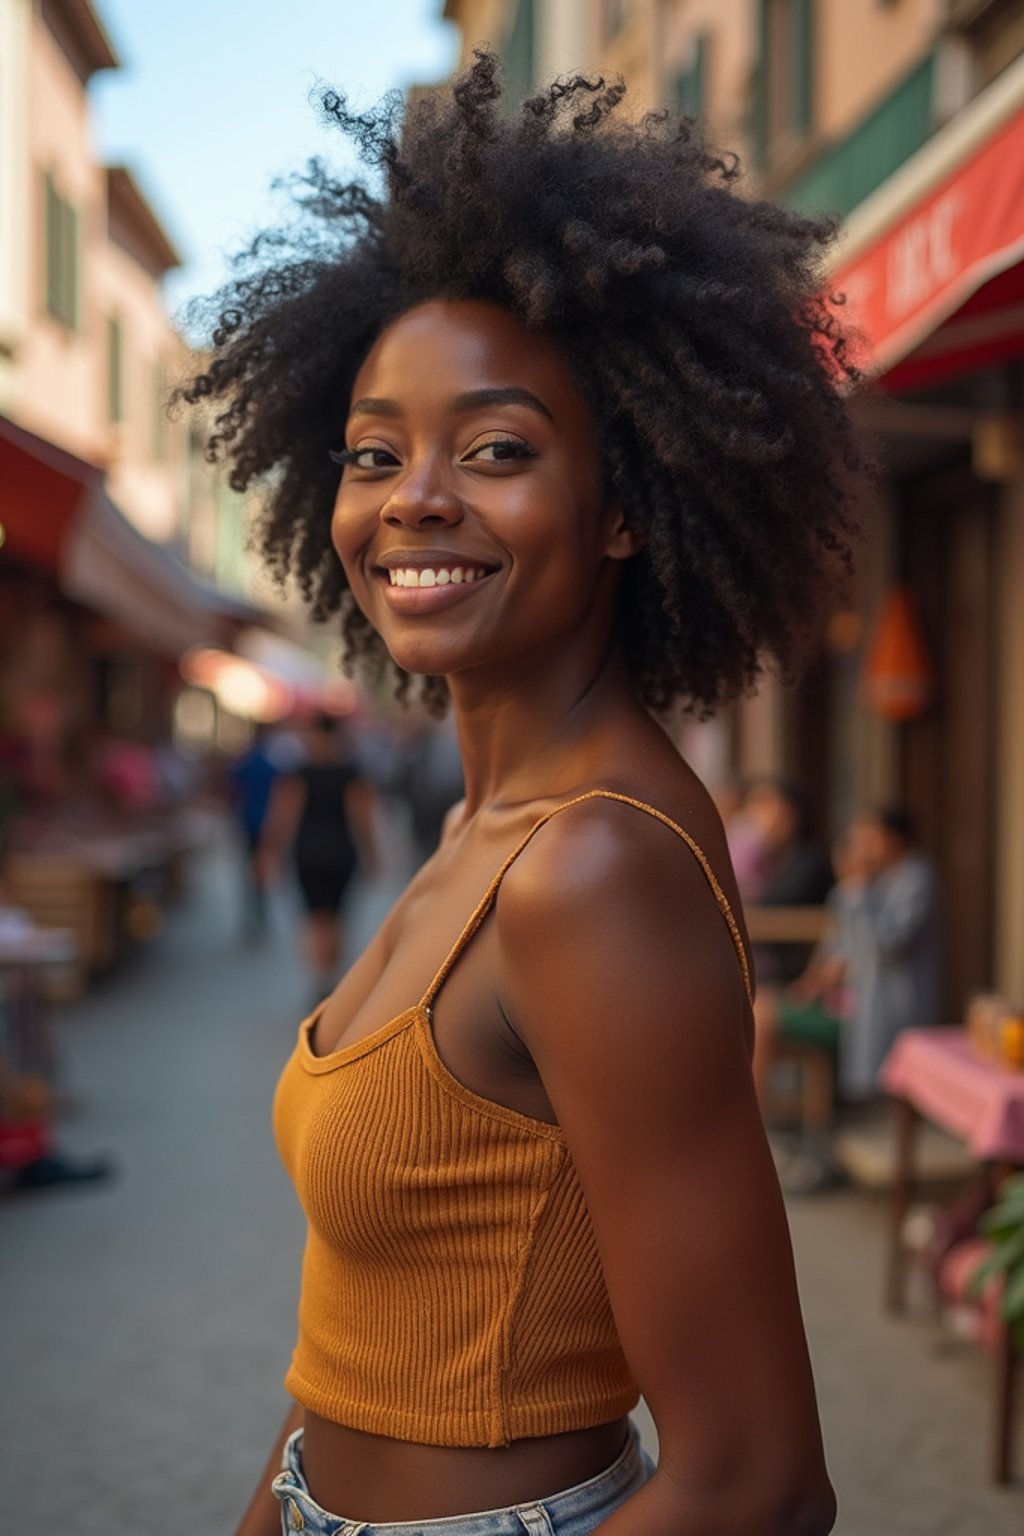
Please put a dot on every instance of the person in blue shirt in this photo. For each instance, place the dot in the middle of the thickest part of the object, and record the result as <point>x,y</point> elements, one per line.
<point>252,779</point>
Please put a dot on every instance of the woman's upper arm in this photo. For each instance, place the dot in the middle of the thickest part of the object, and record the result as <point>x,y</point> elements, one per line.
<point>619,973</point>
<point>287,799</point>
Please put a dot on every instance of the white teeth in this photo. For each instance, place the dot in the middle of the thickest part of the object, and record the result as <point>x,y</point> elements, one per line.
<point>414,576</point>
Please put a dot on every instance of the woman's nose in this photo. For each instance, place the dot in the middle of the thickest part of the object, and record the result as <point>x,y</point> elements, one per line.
<point>422,499</point>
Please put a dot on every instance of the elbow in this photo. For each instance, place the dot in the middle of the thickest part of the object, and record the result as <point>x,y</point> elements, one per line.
<point>801,1506</point>
<point>817,1514</point>
<point>809,1510</point>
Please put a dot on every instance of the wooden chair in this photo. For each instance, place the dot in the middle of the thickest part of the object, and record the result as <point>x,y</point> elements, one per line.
<point>813,1103</point>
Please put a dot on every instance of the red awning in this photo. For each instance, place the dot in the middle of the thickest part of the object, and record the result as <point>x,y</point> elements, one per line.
<point>43,493</point>
<point>939,289</point>
<point>57,516</point>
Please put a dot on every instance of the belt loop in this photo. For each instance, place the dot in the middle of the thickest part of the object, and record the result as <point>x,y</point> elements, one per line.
<point>535,1519</point>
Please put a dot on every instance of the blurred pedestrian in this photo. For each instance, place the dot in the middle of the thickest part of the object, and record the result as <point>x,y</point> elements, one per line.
<point>251,780</point>
<point>584,408</point>
<point>324,814</point>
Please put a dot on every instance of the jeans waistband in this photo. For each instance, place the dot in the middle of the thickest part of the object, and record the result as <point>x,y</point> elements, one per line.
<point>574,1510</point>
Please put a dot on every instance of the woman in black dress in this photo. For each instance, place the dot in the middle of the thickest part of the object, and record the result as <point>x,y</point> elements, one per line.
<point>325,812</point>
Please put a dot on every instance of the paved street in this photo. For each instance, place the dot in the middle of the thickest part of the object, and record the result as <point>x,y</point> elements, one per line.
<point>147,1324</point>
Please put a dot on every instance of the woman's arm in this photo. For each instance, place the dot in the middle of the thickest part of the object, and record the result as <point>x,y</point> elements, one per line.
<point>287,802</point>
<point>619,974</point>
<point>263,1516</point>
<point>361,809</point>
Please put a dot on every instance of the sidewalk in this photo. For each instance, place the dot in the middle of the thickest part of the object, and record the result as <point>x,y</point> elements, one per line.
<point>147,1323</point>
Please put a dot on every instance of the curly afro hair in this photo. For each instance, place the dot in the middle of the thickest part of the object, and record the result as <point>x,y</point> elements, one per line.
<point>693,320</point>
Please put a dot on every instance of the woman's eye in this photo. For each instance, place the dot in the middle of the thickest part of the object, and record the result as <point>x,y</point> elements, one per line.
<point>364,458</point>
<point>500,451</point>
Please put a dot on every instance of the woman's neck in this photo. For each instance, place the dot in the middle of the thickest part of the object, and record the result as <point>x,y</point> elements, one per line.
<point>544,731</point>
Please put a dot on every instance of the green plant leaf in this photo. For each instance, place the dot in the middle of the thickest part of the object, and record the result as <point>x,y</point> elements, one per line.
<point>1011,1249</point>
<point>985,1271</point>
<point>1011,1204</point>
<point>1001,1217</point>
<point>1013,1298</point>
<point>1008,1252</point>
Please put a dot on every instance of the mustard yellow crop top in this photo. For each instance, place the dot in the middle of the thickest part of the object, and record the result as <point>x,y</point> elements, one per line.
<point>452,1291</point>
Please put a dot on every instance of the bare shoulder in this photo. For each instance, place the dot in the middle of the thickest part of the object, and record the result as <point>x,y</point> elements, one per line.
<point>624,847</point>
<point>639,896</point>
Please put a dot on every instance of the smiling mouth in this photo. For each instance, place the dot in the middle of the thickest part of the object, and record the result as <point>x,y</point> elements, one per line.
<point>435,576</point>
<point>425,589</point>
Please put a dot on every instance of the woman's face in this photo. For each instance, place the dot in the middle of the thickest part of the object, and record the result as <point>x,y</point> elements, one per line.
<point>469,517</point>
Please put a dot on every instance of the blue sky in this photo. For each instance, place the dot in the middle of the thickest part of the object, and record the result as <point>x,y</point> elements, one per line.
<point>212,101</point>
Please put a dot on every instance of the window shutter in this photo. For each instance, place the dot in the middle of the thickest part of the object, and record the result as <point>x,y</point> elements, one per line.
<point>69,265</point>
<point>52,242</point>
<point>760,124</point>
<point>115,370</point>
<point>691,83</point>
<point>803,67</point>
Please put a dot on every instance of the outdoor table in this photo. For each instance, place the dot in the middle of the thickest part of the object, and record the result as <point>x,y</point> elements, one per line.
<point>26,953</point>
<point>938,1075</point>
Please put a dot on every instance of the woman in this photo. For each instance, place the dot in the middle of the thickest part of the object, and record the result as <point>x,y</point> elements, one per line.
<point>324,813</point>
<point>552,421</point>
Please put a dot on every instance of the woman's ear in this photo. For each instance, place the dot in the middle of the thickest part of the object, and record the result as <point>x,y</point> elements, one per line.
<point>621,540</point>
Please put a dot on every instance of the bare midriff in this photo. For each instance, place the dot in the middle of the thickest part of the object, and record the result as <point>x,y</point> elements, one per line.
<point>379,1480</point>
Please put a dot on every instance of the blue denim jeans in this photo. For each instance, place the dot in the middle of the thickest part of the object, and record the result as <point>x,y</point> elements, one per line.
<point>576,1512</point>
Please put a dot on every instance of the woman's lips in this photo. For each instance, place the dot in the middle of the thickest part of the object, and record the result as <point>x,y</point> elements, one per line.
<point>427,598</point>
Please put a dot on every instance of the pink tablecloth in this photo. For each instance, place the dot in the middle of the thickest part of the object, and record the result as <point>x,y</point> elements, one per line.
<point>943,1076</point>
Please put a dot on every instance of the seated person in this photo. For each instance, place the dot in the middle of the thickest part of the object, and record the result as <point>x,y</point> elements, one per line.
<point>879,970</point>
<point>793,871</point>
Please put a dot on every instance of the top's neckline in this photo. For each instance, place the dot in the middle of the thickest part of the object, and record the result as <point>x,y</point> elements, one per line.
<point>355,1048</point>
<point>419,1015</point>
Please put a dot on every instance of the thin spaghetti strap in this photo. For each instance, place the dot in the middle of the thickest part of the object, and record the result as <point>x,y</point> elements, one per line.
<point>483,906</point>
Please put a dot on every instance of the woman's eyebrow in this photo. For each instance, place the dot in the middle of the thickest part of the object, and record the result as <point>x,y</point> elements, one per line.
<point>472,400</point>
<point>372,406</point>
<point>507,395</point>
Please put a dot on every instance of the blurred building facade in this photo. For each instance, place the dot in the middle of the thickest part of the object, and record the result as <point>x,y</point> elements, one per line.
<point>88,352</point>
<point>132,642</point>
<point>120,549</point>
<point>905,118</point>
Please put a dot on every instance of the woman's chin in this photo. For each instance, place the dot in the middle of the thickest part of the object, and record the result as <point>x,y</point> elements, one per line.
<point>422,660</point>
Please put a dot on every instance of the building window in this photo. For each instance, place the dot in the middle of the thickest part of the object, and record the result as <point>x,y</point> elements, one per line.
<point>115,369</point>
<point>61,243</point>
<point>518,55</point>
<point>691,82</point>
<point>785,74</point>
<point>159,443</point>
<point>614,16</point>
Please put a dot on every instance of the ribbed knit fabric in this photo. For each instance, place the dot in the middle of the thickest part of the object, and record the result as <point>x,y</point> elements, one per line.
<point>452,1291</point>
